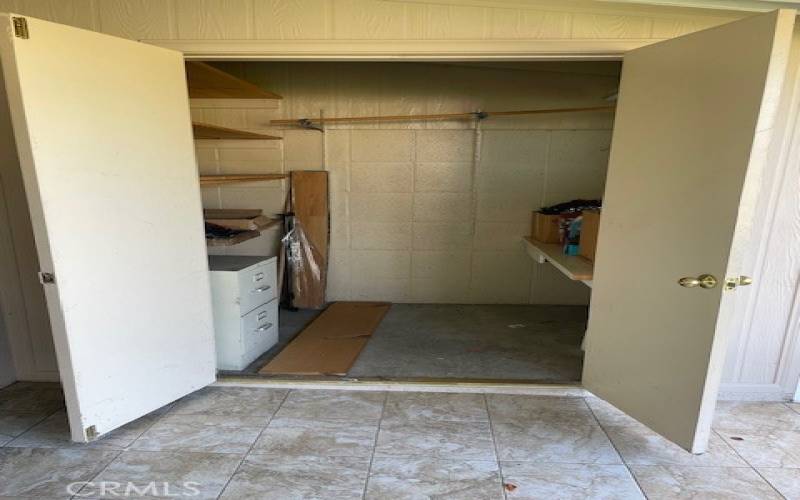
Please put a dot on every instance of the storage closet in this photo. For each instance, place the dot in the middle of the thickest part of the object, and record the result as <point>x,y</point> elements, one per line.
<point>434,171</point>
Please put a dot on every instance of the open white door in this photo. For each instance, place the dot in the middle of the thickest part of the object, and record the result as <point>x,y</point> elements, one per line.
<point>105,143</point>
<point>693,127</point>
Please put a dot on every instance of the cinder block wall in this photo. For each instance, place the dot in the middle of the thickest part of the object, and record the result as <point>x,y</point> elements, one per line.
<point>426,211</point>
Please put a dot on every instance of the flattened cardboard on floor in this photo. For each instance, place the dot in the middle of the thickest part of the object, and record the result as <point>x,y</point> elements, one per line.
<point>332,342</point>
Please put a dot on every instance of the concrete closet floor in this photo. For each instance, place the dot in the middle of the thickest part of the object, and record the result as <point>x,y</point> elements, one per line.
<point>497,342</point>
<point>255,443</point>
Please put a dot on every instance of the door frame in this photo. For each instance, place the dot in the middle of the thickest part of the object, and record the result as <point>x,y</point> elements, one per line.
<point>787,376</point>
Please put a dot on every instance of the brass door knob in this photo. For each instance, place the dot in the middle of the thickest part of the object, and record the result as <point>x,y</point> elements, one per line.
<point>703,281</point>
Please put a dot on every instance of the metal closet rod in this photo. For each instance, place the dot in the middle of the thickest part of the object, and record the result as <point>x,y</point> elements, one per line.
<point>305,122</point>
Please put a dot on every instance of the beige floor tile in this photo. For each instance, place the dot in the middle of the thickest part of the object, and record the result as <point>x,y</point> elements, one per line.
<point>53,432</point>
<point>517,408</point>
<point>436,406</point>
<point>436,439</point>
<point>12,423</point>
<point>202,433</point>
<point>28,472</point>
<point>750,416</point>
<point>402,478</point>
<point>706,483</point>
<point>295,437</point>
<point>640,446</point>
<point>189,475</point>
<point>265,478</point>
<point>32,397</point>
<point>526,480</point>
<point>607,414</point>
<point>786,481</point>
<point>244,401</point>
<point>564,441</point>
<point>333,404</point>
<point>767,449</point>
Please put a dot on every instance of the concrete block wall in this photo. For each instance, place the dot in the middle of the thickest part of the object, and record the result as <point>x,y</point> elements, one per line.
<point>422,211</point>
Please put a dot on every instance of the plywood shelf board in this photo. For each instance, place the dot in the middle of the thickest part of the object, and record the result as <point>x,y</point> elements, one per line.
<point>207,131</point>
<point>572,266</point>
<point>233,240</point>
<point>207,82</point>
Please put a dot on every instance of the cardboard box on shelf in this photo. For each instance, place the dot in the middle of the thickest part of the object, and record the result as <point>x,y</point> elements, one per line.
<point>589,229</point>
<point>544,228</point>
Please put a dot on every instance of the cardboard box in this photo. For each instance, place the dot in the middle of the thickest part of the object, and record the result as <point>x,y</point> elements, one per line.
<point>544,228</point>
<point>589,228</point>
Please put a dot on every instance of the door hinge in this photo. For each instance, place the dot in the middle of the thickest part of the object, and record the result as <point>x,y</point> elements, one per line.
<point>46,278</point>
<point>20,27</point>
<point>91,433</point>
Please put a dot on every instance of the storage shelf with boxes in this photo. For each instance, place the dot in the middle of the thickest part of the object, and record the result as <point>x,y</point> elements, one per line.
<point>565,235</point>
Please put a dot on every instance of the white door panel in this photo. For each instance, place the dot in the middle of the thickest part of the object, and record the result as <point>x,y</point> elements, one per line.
<point>692,129</point>
<point>105,143</point>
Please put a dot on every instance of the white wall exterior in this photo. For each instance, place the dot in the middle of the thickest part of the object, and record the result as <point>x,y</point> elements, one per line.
<point>386,28</point>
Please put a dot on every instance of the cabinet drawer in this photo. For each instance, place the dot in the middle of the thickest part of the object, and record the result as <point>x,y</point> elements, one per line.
<point>257,286</point>
<point>260,330</point>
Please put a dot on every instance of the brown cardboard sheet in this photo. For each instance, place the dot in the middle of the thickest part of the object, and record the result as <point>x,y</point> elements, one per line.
<point>332,342</point>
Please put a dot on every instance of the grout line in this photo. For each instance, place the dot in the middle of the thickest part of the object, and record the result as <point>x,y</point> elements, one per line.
<point>621,456</point>
<point>375,445</point>
<point>247,453</point>
<point>494,444</point>
<point>28,429</point>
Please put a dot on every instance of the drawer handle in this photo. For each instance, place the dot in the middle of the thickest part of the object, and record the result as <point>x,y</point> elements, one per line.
<point>258,277</point>
<point>262,315</point>
<point>261,289</point>
<point>264,327</point>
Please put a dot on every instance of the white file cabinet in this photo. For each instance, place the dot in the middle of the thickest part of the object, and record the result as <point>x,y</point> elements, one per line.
<point>244,291</point>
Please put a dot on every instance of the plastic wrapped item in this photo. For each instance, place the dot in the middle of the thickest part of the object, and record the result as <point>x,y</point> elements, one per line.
<point>306,276</point>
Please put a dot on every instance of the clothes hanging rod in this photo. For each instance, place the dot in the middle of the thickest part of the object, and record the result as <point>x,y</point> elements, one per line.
<point>307,122</point>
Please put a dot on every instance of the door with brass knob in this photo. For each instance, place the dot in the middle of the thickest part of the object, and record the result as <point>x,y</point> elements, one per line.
<point>703,281</point>
<point>681,200</point>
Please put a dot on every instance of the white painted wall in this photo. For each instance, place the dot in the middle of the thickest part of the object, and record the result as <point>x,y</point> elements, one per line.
<point>418,215</point>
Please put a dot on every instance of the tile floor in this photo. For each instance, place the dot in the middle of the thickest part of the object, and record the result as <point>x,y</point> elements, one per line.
<point>251,443</point>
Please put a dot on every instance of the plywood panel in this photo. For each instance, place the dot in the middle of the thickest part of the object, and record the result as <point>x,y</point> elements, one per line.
<point>136,19</point>
<point>601,26</point>
<point>311,206</point>
<point>78,14</point>
<point>292,19</point>
<point>214,19</point>
<point>517,23</point>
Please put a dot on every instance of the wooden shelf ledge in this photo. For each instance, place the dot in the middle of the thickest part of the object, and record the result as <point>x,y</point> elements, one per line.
<point>573,267</point>
<point>207,131</point>
<point>207,82</point>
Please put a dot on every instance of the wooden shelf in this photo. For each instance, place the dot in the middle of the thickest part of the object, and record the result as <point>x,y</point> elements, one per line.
<point>574,267</point>
<point>233,240</point>
<point>243,236</point>
<point>206,131</point>
<point>207,82</point>
<point>219,180</point>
